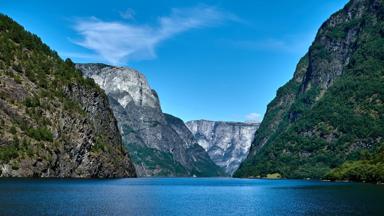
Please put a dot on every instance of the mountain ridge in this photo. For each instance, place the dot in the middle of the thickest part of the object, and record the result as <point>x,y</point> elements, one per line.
<point>54,123</point>
<point>329,114</point>
<point>227,143</point>
<point>160,143</point>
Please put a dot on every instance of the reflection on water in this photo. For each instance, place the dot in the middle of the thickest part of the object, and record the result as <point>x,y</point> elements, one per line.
<point>188,196</point>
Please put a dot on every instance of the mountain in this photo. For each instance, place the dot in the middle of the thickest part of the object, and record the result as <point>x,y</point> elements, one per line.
<point>328,120</point>
<point>200,162</point>
<point>227,143</point>
<point>160,144</point>
<point>54,123</point>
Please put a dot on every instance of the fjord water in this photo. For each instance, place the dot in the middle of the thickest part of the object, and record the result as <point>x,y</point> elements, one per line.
<point>188,196</point>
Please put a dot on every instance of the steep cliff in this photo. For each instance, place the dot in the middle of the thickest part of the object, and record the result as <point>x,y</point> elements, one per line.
<point>199,162</point>
<point>331,112</point>
<point>160,144</point>
<point>227,143</point>
<point>54,123</point>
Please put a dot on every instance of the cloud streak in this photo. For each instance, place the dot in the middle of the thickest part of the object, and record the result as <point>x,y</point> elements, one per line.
<point>254,117</point>
<point>119,42</point>
<point>128,14</point>
<point>295,44</point>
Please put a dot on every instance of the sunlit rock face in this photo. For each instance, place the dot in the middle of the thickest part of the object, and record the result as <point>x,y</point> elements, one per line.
<point>125,84</point>
<point>227,143</point>
<point>160,144</point>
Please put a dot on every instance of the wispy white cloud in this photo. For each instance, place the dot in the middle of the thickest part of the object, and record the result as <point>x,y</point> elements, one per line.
<point>254,117</point>
<point>118,42</point>
<point>128,14</point>
<point>288,44</point>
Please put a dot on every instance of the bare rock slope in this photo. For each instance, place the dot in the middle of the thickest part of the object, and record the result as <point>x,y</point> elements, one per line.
<point>158,143</point>
<point>227,143</point>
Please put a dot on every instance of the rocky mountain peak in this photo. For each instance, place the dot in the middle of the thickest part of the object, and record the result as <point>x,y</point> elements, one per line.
<point>160,144</point>
<point>124,84</point>
<point>227,143</point>
<point>334,44</point>
<point>325,118</point>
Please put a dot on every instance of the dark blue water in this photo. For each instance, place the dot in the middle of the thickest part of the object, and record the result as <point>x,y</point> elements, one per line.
<point>188,196</point>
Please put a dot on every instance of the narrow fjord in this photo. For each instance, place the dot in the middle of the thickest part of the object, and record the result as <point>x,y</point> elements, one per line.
<point>184,133</point>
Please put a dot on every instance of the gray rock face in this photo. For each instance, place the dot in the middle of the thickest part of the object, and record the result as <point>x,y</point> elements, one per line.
<point>159,144</point>
<point>103,130</point>
<point>124,84</point>
<point>198,160</point>
<point>227,143</point>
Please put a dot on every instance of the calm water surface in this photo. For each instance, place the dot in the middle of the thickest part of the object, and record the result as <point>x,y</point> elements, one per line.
<point>188,196</point>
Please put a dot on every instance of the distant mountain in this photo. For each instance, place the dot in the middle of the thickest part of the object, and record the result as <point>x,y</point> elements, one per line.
<point>160,144</point>
<point>328,120</point>
<point>227,143</point>
<point>53,122</point>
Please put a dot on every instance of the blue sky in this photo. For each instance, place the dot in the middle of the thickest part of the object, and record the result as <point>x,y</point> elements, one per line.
<point>209,59</point>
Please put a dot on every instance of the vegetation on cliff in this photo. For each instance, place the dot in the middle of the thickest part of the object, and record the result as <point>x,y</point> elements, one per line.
<point>53,121</point>
<point>330,116</point>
